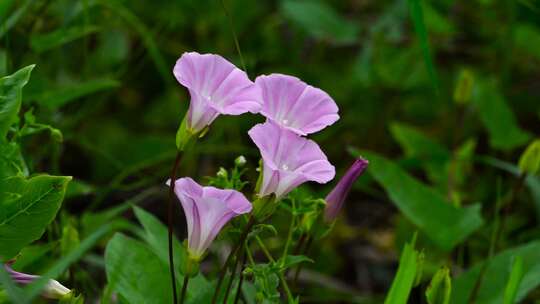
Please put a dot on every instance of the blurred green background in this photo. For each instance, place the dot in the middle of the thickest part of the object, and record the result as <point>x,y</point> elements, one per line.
<point>422,84</point>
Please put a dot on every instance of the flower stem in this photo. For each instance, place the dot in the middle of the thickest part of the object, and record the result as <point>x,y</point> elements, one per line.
<point>170,211</point>
<point>299,268</point>
<point>241,279</point>
<point>184,289</point>
<point>223,271</point>
<point>231,280</point>
<point>290,298</point>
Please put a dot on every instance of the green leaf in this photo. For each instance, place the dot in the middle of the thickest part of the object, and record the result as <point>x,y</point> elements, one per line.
<point>445,224</point>
<point>464,87</point>
<point>26,208</point>
<point>320,21</point>
<point>497,275</point>
<point>527,40</point>
<point>44,42</point>
<point>135,272</point>
<point>55,98</point>
<point>529,162</point>
<point>11,160</point>
<point>440,288</point>
<point>291,260</point>
<point>417,15</point>
<point>516,275</point>
<point>406,274</point>
<point>7,24</point>
<point>11,98</point>
<point>497,117</point>
<point>157,237</point>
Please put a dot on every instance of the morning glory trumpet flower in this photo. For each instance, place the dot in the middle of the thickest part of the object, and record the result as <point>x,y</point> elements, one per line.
<point>295,105</point>
<point>207,210</point>
<point>336,198</point>
<point>216,87</point>
<point>288,160</point>
<point>53,289</point>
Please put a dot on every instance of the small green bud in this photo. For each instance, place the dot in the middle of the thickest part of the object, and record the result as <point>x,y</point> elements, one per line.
<point>440,288</point>
<point>529,162</point>
<point>240,161</point>
<point>222,173</point>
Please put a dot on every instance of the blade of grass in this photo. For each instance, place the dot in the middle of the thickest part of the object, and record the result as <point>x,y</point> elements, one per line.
<point>417,16</point>
<point>14,18</point>
<point>512,286</point>
<point>404,279</point>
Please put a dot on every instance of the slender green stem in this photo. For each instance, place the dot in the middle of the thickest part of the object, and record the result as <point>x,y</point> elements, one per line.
<point>231,280</point>
<point>299,268</point>
<point>223,271</point>
<point>170,222</point>
<point>236,43</point>
<point>241,278</point>
<point>184,289</point>
<point>290,298</point>
<point>289,236</point>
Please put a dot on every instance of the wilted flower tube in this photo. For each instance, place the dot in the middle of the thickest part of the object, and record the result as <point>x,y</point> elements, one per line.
<point>295,105</point>
<point>207,210</point>
<point>216,87</point>
<point>336,198</point>
<point>53,289</point>
<point>288,160</point>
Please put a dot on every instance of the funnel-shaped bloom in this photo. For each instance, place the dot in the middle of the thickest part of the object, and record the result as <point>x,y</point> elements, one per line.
<point>288,159</point>
<point>336,198</point>
<point>53,289</point>
<point>207,210</point>
<point>295,105</point>
<point>216,87</point>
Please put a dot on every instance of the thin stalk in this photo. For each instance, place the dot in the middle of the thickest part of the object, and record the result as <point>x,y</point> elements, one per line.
<point>241,278</point>
<point>223,271</point>
<point>297,248</point>
<point>170,222</point>
<point>290,298</point>
<point>236,43</point>
<point>231,280</point>
<point>299,268</point>
<point>505,205</point>
<point>289,237</point>
<point>184,289</point>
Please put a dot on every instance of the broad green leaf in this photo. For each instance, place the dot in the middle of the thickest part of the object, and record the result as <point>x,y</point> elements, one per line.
<point>405,276</point>
<point>55,98</point>
<point>291,260</point>
<point>497,275</point>
<point>445,224</point>
<point>516,275</point>
<point>44,42</point>
<point>26,209</point>
<point>497,117</point>
<point>440,288</point>
<point>320,21</point>
<point>11,160</point>
<point>135,272</point>
<point>157,237</point>
<point>417,15</point>
<point>11,97</point>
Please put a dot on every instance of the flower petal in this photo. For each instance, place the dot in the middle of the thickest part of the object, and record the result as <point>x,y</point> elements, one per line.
<point>295,105</point>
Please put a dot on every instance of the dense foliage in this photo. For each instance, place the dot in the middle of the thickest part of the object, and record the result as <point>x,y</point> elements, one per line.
<point>440,97</point>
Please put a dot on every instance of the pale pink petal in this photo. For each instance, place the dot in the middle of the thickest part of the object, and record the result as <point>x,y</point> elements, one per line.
<point>216,87</point>
<point>295,105</point>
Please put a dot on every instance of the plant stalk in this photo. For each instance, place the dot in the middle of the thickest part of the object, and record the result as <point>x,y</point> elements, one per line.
<point>170,223</point>
<point>184,289</point>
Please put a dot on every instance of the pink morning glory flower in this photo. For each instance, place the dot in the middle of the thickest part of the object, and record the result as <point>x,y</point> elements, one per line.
<point>295,105</point>
<point>336,198</point>
<point>288,159</point>
<point>53,289</point>
<point>216,87</point>
<point>207,210</point>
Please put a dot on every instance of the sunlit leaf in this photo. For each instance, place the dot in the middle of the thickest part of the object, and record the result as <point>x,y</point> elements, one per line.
<point>516,275</point>
<point>26,208</point>
<point>404,279</point>
<point>11,97</point>
<point>440,288</point>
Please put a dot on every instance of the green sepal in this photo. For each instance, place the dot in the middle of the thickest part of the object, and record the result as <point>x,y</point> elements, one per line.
<point>183,135</point>
<point>264,207</point>
<point>190,266</point>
